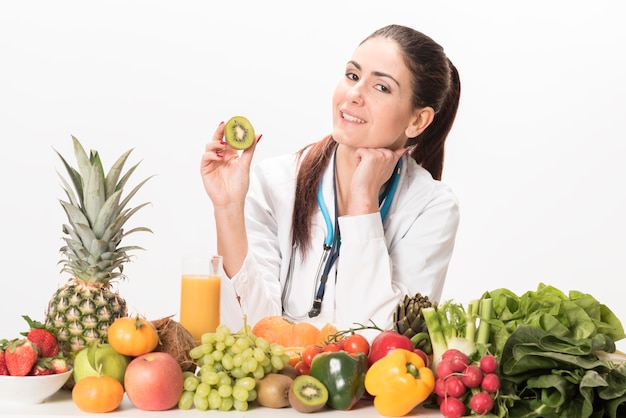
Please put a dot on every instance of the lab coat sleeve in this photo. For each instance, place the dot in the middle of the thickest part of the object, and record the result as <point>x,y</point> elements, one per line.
<point>255,290</point>
<point>376,270</point>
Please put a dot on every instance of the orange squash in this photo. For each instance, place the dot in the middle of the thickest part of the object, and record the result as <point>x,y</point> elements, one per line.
<point>280,330</point>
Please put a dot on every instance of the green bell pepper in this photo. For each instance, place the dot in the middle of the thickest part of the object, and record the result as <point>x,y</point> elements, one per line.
<point>343,374</point>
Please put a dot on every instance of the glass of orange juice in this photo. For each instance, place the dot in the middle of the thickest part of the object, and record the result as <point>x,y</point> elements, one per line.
<point>200,294</point>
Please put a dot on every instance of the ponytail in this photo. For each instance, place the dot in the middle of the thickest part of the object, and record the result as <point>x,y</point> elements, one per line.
<point>428,150</point>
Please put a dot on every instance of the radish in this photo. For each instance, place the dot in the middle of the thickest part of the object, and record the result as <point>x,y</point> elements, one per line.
<point>444,369</point>
<point>459,363</point>
<point>481,403</point>
<point>490,383</point>
<point>472,376</point>
<point>440,387</point>
<point>458,360</point>
<point>450,353</point>
<point>452,408</point>
<point>488,363</point>
<point>454,386</point>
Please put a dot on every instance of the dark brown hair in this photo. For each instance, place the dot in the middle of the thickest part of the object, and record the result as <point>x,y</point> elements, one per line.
<point>436,84</point>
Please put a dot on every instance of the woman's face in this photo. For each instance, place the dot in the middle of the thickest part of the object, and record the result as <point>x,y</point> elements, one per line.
<point>372,102</point>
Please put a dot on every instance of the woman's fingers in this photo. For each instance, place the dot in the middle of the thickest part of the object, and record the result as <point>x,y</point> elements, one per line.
<point>246,155</point>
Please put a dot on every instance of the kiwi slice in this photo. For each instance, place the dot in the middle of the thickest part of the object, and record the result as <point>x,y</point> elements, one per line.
<point>307,394</point>
<point>239,132</point>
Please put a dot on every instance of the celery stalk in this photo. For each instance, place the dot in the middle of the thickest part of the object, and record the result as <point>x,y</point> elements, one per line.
<point>472,314</point>
<point>435,330</point>
<point>486,308</point>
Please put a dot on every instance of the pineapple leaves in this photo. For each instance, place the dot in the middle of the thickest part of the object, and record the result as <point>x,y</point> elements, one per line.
<point>74,214</point>
<point>69,191</point>
<point>77,180</point>
<point>108,211</point>
<point>114,174</point>
<point>81,156</point>
<point>133,192</point>
<point>94,193</point>
<point>97,213</point>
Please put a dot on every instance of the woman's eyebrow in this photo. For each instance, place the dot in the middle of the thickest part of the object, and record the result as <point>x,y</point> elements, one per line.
<point>376,73</point>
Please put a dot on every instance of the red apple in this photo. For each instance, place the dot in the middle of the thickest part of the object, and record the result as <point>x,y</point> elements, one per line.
<point>154,381</point>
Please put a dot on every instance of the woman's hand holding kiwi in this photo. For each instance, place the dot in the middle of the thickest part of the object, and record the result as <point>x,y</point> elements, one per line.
<point>225,171</point>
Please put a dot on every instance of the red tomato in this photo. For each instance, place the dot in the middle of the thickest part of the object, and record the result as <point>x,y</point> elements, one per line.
<point>309,352</point>
<point>356,343</point>
<point>332,347</point>
<point>302,368</point>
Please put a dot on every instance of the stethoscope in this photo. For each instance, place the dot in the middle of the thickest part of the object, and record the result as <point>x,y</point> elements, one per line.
<point>332,242</point>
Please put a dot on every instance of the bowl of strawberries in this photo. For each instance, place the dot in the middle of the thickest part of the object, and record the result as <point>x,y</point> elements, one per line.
<point>31,367</point>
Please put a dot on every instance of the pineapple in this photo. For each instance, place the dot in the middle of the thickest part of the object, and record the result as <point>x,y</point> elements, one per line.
<point>82,310</point>
<point>408,320</point>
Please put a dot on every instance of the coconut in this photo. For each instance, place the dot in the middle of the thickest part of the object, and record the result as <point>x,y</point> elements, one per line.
<point>177,341</point>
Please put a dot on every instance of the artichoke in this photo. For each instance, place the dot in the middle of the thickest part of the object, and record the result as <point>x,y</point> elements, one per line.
<point>408,320</point>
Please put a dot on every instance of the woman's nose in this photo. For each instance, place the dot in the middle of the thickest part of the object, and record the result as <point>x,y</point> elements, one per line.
<point>354,94</point>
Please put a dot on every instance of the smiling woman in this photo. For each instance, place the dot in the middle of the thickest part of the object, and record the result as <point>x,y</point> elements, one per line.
<point>389,222</point>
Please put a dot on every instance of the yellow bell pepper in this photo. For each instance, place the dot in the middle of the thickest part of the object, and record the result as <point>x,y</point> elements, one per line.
<point>399,382</point>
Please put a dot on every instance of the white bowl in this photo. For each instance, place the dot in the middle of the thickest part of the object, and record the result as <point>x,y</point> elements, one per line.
<point>31,389</point>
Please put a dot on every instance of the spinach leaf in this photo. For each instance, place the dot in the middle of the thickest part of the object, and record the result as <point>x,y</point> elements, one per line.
<point>562,377</point>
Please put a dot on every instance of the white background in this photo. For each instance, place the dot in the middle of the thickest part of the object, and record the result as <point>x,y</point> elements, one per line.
<point>536,155</point>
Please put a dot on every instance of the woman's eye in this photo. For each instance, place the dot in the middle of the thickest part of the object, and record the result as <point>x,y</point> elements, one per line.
<point>383,88</point>
<point>352,76</point>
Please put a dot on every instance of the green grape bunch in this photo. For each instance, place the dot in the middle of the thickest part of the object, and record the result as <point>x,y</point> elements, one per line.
<point>228,366</point>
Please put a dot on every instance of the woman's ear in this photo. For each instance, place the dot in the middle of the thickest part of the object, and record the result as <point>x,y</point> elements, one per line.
<point>423,117</point>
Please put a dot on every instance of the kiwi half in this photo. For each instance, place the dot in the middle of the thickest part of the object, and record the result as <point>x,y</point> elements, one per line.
<point>307,394</point>
<point>239,132</point>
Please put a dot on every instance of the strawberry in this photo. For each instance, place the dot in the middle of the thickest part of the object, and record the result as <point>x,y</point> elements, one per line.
<point>3,365</point>
<point>58,365</point>
<point>21,355</point>
<point>41,368</point>
<point>42,337</point>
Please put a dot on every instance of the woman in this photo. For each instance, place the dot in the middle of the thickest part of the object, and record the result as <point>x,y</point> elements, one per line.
<point>390,223</point>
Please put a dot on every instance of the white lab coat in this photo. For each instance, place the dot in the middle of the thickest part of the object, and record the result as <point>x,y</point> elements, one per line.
<point>377,265</point>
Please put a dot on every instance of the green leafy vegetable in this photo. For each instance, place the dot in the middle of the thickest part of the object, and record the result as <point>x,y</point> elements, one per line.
<point>562,377</point>
<point>576,316</point>
<point>553,355</point>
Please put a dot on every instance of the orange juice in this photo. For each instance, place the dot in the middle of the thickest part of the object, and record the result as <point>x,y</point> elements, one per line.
<point>200,304</point>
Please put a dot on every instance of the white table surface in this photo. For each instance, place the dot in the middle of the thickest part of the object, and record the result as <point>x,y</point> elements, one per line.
<point>61,405</point>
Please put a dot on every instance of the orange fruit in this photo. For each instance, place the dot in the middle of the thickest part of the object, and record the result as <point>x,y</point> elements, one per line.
<point>132,336</point>
<point>295,354</point>
<point>326,331</point>
<point>98,394</point>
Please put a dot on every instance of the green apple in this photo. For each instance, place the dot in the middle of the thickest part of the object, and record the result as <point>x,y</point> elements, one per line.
<point>100,359</point>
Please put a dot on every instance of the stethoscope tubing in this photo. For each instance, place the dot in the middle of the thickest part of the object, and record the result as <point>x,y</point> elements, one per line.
<point>329,245</point>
